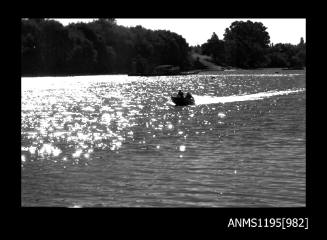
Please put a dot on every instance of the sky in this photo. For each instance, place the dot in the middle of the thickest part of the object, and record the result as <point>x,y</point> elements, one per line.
<point>199,30</point>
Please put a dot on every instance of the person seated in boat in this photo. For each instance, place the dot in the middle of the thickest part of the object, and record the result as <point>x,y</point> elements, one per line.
<point>188,96</point>
<point>180,94</point>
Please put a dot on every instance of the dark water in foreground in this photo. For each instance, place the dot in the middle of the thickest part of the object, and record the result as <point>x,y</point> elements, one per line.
<point>118,141</point>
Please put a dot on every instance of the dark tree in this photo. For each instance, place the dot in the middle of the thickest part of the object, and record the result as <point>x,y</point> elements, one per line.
<point>215,48</point>
<point>246,44</point>
<point>31,48</point>
<point>108,20</point>
<point>287,55</point>
<point>55,46</point>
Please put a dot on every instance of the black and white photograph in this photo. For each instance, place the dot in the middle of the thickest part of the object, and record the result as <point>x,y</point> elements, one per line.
<point>163,112</point>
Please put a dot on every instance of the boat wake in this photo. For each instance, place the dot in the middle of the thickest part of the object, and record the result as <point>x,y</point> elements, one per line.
<point>239,98</point>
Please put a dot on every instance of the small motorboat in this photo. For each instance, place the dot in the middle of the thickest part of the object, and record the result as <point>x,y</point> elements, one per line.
<point>183,101</point>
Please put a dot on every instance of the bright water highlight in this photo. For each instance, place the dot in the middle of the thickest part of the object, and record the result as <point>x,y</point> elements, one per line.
<point>119,141</point>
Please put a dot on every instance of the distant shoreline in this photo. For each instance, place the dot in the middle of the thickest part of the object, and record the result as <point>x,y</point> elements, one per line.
<point>71,75</point>
<point>201,72</point>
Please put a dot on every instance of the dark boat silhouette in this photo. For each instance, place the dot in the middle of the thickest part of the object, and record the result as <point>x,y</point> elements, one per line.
<point>183,101</point>
<point>163,70</point>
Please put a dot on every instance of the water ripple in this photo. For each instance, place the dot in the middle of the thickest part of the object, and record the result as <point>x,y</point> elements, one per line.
<point>119,141</point>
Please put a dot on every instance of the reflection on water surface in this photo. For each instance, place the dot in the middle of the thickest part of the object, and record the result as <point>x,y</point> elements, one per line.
<point>119,141</point>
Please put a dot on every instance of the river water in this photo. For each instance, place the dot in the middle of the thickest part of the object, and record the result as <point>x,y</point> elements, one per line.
<point>118,141</point>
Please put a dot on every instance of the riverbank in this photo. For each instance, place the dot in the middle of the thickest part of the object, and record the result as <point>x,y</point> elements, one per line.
<point>209,71</point>
<point>251,71</point>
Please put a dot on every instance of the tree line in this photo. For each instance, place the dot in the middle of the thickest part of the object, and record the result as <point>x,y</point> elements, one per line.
<point>98,47</point>
<point>247,45</point>
<point>103,47</point>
